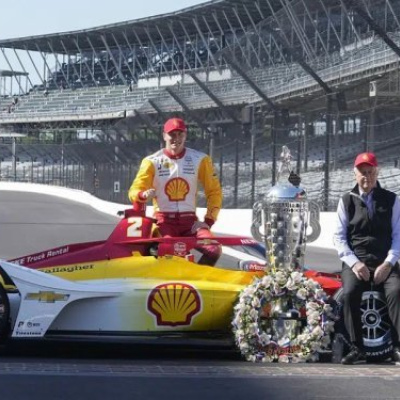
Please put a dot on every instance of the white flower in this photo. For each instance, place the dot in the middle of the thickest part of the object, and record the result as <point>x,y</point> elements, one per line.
<point>244,346</point>
<point>311,285</point>
<point>283,358</point>
<point>328,308</point>
<point>249,291</point>
<point>313,317</point>
<point>266,280</point>
<point>325,340</point>
<point>277,288</point>
<point>250,336</point>
<point>253,314</point>
<point>296,276</point>
<point>302,293</point>
<point>298,358</point>
<point>317,331</point>
<point>291,284</point>
<point>280,278</point>
<point>251,358</point>
<point>255,302</point>
<point>312,305</point>
<point>267,295</point>
<point>264,339</point>
<point>319,294</point>
<point>329,326</point>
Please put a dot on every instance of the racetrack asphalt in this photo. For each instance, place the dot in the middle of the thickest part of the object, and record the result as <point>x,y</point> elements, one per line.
<point>33,222</point>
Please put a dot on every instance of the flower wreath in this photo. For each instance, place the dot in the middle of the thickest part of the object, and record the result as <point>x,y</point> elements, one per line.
<point>304,294</point>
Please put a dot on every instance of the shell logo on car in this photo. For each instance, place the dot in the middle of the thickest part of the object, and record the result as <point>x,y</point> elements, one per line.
<point>176,189</point>
<point>174,304</point>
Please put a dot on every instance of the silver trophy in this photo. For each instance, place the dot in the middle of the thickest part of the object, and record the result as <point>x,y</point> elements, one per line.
<point>285,220</point>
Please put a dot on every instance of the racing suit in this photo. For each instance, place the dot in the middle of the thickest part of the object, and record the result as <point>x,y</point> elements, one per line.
<point>175,179</point>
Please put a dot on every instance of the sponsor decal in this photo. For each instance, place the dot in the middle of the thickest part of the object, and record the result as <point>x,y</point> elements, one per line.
<point>252,266</point>
<point>167,164</point>
<point>180,249</point>
<point>174,304</point>
<point>44,255</point>
<point>248,241</point>
<point>28,333</point>
<point>47,297</point>
<point>24,328</point>
<point>207,242</point>
<point>70,268</point>
<point>177,189</point>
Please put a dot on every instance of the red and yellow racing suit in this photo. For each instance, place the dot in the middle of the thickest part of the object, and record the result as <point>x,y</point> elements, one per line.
<point>175,179</point>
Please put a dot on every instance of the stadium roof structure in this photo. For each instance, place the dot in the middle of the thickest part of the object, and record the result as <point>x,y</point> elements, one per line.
<point>214,15</point>
<point>8,73</point>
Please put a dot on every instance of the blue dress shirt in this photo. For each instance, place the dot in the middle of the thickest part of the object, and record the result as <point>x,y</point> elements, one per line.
<point>346,255</point>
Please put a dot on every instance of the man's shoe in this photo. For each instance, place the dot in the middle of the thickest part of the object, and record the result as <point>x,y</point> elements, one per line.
<point>396,355</point>
<point>354,357</point>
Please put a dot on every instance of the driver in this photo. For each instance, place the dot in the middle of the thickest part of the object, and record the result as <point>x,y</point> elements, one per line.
<point>170,178</point>
<point>367,239</point>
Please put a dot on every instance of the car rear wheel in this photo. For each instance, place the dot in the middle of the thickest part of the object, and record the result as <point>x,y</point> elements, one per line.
<point>376,325</point>
<point>4,315</point>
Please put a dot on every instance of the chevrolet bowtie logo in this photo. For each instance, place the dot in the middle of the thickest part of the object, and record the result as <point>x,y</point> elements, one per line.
<point>47,297</point>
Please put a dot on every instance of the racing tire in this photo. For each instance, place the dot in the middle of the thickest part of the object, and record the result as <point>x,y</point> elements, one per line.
<point>376,325</point>
<point>4,315</point>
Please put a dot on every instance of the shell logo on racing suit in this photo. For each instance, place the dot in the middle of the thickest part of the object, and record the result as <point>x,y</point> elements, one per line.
<point>177,189</point>
<point>174,304</point>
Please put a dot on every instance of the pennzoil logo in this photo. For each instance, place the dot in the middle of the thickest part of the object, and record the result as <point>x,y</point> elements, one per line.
<point>177,189</point>
<point>47,297</point>
<point>174,304</point>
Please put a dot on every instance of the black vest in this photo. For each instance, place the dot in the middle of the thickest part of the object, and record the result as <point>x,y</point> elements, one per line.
<point>370,238</point>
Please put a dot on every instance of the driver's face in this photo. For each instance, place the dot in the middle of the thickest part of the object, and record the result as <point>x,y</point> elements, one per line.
<point>175,141</point>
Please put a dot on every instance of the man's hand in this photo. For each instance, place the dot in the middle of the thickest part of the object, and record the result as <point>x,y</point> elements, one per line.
<point>382,272</point>
<point>199,225</point>
<point>149,194</point>
<point>361,271</point>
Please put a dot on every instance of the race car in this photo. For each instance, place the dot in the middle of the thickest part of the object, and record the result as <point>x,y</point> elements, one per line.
<point>137,285</point>
<point>132,284</point>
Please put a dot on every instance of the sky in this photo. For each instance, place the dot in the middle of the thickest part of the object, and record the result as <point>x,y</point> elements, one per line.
<point>35,17</point>
<point>19,18</point>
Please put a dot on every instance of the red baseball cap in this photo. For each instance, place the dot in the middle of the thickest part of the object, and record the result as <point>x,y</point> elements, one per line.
<point>366,158</point>
<point>175,124</point>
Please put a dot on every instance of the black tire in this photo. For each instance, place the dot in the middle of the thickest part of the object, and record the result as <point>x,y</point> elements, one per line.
<point>377,336</point>
<point>4,315</point>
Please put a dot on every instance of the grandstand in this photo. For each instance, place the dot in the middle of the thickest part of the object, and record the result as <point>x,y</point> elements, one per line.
<point>320,76</point>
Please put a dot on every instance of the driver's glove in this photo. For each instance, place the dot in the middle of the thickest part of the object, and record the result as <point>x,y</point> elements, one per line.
<point>199,225</point>
<point>148,194</point>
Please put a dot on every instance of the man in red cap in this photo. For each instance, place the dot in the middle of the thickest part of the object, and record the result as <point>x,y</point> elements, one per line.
<point>367,239</point>
<point>170,178</point>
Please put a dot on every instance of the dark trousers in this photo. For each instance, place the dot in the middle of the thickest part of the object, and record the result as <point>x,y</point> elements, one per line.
<point>352,296</point>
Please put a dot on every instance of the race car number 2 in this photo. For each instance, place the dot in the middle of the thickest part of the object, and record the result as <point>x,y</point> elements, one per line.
<point>134,227</point>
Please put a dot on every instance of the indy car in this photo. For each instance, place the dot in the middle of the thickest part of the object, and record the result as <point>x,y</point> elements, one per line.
<point>137,285</point>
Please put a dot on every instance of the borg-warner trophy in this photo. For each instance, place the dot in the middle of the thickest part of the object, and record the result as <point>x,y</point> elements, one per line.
<point>285,220</point>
